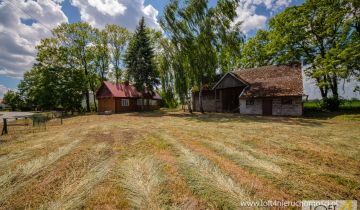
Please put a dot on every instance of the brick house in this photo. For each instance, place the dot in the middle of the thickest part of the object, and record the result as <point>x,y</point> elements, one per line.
<point>267,90</point>
<point>123,97</point>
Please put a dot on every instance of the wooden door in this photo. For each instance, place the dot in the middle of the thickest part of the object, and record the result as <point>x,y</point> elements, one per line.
<point>267,107</point>
<point>230,99</point>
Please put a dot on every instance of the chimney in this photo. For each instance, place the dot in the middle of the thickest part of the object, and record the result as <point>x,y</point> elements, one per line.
<point>126,83</point>
<point>295,64</point>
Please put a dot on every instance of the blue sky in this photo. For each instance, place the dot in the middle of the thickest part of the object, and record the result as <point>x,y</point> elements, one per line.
<point>24,23</point>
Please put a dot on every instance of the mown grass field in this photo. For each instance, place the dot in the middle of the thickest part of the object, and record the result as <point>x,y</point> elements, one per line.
<point>174,160</point>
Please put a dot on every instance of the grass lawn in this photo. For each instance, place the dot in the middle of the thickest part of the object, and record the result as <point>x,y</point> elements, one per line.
<point>173,159</point>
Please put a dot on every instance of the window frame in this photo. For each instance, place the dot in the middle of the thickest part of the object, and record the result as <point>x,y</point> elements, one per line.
<point>125,102</point>
<point>250,102</point>
<point>153,102</point>
<point>286,101</point>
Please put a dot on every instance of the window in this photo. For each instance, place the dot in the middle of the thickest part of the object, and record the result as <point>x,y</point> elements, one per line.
<point>250,102</point>
<point>139,102</point>
<point>145,101</point>
<point>286,101</point>
<point>124,102</point>
<point>153,102</point>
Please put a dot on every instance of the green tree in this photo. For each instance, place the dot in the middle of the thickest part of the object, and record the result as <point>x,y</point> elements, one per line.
<point>139,60</point>
<point>165,59</point>
<point>118,38</point>
<point>102,54</point>
<point>78,38</point>
<point>255,51</point>
<point>53,82</point>
<point>200,34</point>
<point>13,99</point>
<point>313,32</point>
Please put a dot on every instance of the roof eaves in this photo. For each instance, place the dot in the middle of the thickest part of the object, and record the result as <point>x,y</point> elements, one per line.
<point>231,74</point>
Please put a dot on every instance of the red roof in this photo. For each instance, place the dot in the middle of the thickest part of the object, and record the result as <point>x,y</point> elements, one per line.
<point>121,90</point>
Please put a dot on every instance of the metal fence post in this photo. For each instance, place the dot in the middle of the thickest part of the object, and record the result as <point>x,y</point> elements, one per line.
<point>4,130</point>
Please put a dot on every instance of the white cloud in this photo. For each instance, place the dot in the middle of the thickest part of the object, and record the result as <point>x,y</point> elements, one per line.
<point>247,12</point>
<point>18,40</point>
<point>108,7</point>
<point>126,13</point>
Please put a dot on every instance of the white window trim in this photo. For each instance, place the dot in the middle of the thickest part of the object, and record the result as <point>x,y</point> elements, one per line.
<point>125,102</point>
<point>153,102</point>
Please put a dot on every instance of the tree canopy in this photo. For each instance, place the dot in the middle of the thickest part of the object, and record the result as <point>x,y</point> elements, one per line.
<point>197,43</point>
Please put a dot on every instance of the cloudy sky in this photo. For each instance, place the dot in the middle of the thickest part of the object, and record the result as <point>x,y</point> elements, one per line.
<point>23,23</point>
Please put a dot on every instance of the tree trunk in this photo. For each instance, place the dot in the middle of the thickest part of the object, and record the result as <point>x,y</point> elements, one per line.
<point>323,89</point>
<point>334,87</point>
<point>189,103</point>
<point>200,100</point>
<point>87,95</point>
<point>323,92</point>
<point>95,102</point>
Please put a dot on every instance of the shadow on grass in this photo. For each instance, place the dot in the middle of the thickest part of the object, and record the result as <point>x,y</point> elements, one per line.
<point>316,113</point>
<point>230,117</point>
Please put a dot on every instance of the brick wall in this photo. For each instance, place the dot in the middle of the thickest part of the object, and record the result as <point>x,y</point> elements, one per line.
<point>255,109</point>
<point>294,109</point>
<point>278,109</point>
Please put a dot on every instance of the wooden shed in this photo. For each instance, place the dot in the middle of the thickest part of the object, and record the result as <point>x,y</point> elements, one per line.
<point>123,97</point>
<point>267,90</point>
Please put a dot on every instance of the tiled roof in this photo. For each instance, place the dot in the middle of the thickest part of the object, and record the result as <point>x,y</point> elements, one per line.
<point>122,90</point>
<point>270,81</point>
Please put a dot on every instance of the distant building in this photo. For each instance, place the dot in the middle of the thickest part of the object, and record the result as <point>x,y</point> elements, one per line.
<point>2,105</point>
<point>268,90</point>
<point>124,97</point>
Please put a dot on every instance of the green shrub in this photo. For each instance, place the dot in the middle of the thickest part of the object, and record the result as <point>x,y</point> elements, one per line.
<point>168,99</point>
<point>331,104</point>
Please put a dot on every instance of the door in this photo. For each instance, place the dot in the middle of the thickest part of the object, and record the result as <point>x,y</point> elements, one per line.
<point>230,99</point>
<point>267,107</point>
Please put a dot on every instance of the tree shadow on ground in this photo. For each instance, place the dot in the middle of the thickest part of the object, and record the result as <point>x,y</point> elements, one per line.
<point>315,113</point>
<point>222,118</point>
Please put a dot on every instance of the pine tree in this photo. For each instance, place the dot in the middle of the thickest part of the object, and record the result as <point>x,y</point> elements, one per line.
<point>139,60</point>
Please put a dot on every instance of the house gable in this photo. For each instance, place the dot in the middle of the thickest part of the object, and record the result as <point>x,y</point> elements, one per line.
<point>104,92</point>
<point>229,80</point>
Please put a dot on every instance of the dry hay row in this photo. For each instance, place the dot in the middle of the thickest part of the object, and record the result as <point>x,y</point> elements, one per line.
<point>63,178</point>
<point>11,181</point>
<point>142,179</point>
<point>140,175</point>
<point>77,186</point>
<point>244,156</point>
<point>293,170</point>
<point>302,169</point>
<point>206,179</point>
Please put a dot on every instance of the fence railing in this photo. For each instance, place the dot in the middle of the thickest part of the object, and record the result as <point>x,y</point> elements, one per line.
<point>30,124</point>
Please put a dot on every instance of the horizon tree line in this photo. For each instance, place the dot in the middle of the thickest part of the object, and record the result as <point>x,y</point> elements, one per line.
<point>197,43</point>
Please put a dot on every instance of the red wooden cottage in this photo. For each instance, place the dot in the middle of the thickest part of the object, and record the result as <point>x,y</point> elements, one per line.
<point>123,97</point>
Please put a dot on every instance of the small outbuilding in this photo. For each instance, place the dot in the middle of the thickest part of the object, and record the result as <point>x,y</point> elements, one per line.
<point>2,105</point>
<point>267,90</point>
<point>123,97</point>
